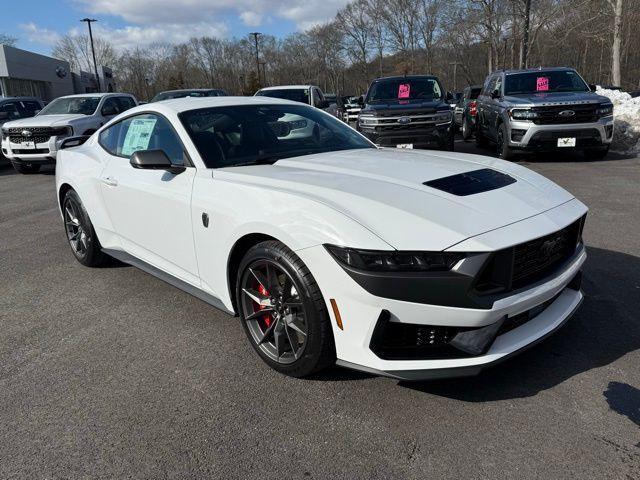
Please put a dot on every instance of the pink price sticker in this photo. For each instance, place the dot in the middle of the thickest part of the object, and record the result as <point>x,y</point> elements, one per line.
<point>542,84</point>
<point>403,90</point>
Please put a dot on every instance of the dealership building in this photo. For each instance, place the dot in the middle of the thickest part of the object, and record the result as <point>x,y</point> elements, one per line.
<point>24,73</point>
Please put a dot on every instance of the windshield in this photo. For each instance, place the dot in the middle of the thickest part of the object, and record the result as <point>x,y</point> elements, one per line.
<point>186,93</point>
<point>544,82</point>
<point>405,89</point>
<point>77,105</point>
<point>258,134</point>
<point>296,94</point>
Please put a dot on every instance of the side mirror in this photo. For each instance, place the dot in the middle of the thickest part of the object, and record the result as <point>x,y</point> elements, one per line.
<point>74,141</point>
<point>592,87</point>
<point>325,104</point>
<point>495,94</point>
<point>154,160</point>
<point>361,100</point>
<point>449,97</point>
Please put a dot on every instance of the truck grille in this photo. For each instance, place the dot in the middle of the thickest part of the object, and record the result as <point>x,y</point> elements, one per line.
<point>529,262</point>
<point>38,134</point>
<point>550,115</point>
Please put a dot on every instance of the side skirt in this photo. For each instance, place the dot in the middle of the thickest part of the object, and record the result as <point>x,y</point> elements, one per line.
<point>170,279</point>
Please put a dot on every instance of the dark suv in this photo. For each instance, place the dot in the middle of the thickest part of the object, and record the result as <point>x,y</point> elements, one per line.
<point>407,112</point>
<point>466,111</point>
<point>543,109</point>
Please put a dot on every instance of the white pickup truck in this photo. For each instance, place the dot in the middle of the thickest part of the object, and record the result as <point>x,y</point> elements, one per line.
<point>30,143</point>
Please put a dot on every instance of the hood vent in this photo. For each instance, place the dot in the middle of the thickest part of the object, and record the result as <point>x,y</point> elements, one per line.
<point>469,183</point>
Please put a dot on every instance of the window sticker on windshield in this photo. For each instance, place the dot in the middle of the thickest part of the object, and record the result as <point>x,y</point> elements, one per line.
<point>542,84</point>
<point>403,90</point>
<point>138,135</point>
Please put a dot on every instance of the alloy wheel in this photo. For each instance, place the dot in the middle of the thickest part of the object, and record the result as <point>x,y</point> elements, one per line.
<point>77,234</point>
<point>274,311</point>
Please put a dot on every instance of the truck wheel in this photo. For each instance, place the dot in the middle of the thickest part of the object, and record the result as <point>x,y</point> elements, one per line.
<point>502,144</point>
<point>466,130</point>
<point>596,154</point>
<point>448,142</point>
<point>26,169</point>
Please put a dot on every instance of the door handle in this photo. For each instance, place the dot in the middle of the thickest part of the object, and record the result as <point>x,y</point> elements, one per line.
<point>112,182</point>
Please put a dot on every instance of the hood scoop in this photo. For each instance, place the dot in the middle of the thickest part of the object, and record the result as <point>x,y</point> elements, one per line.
<point>470,183</point>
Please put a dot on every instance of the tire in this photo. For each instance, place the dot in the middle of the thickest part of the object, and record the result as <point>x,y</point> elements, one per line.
<point>448,143</point>
<point>596,154</point>
<point>80,233</point>
<point>502,144</point>
<point>466,130</point>
<point>290,303</point>
<point>26,169</point>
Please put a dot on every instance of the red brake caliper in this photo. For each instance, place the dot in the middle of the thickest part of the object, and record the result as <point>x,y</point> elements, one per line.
<point>267,318</point>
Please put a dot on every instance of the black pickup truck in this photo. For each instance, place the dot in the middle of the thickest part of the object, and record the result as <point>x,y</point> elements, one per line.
<point>407,112</point>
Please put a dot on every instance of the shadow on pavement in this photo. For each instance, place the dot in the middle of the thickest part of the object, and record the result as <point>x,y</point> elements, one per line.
<point>624,400</point>
<point>604,329</point>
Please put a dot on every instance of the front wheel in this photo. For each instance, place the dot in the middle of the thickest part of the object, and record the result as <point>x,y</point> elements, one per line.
<point>26,168</point>
<point>502,144</point>
<point>283,312</point>
<point>80,233</point>
<point>466,130</point>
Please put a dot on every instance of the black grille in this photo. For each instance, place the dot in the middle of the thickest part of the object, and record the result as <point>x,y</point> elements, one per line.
<point>38,134</point>
<point>550,115</point>
<point>525,264</point>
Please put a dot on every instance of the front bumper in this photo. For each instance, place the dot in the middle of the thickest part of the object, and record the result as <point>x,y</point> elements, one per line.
<point>525,135</point>
<point>547,305</point>
<point>418,135</point>
<point>36,153</point>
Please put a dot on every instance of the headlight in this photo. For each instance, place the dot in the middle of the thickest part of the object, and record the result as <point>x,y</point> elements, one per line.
<point>367,120</point>
<point>521,114</point>
<point>605,110</point>
<point>443,117</point>
<point>394,261</point>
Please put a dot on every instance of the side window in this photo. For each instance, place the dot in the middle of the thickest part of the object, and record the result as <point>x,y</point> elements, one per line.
<point>29,108</point>
<point>10,109</point>
<point>486,89</point>
<point>125,103</point>
<point>498,85</point>
<point>143,132</point>
<point>110,107</point>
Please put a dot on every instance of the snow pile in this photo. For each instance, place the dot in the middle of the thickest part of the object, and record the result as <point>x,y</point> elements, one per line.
<point>626,114</point>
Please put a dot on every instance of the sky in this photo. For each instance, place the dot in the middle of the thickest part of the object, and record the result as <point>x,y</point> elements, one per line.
<point>37,24</point>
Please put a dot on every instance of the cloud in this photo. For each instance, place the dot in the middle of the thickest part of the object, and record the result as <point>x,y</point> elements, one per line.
<point>39,35</point>
<point>251,19</point>
<point>132,36</point>
<point>304,13</point>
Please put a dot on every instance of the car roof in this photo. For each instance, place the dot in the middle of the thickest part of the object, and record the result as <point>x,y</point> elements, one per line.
<point>285,87</point>
<point>536,69</point>
<point>14,99</point>
<point>191,90</point>
<point>93,95</point>
<point>178,105</point>
<point>407,77</point>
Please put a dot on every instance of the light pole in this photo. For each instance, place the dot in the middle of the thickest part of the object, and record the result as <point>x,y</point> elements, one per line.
<point>264,73</point>
<point>93,51</point>
<point>455,74</point>
<point>255,39</point>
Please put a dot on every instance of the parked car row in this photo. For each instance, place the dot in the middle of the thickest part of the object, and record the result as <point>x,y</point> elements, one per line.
<point>516,110</point>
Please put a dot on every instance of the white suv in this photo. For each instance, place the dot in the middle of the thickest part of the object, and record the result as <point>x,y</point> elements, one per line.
<point>32,142</point>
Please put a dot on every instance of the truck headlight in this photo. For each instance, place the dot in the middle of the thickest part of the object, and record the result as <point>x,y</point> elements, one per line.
<point>367,120</point>
<point>522,114</point>
<point>443,117</point>
<point>395,261</point>
<point>605,110</point>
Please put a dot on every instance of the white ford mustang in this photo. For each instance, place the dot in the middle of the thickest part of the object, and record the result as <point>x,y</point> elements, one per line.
<point>411,264</point>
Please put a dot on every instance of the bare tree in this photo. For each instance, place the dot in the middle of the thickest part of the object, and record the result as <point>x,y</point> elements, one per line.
<point>7,40</point>
<point>76,49</point>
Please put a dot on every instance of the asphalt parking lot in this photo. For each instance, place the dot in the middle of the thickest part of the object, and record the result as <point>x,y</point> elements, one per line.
<point>111,373</point>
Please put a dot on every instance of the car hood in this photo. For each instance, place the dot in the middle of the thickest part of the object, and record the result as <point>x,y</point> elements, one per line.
<point>383,190</point>
<point>559,98</point>
<point>45,121</point>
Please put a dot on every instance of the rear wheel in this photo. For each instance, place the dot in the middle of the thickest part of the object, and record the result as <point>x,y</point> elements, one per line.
<point>481,140</point>
<point>25,168</point>
<point>283,312</point>
<point>80,233</point>
<point>502,144</point>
